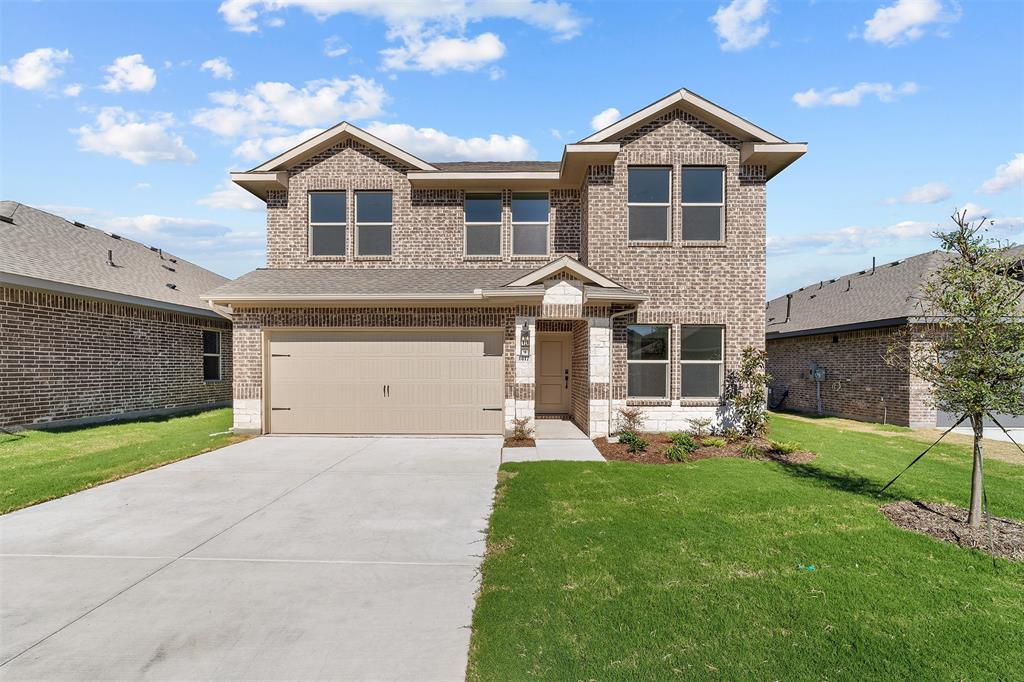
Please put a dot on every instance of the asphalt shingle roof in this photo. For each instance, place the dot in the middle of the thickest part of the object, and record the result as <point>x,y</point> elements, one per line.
<point>47,247</point>
<point>887,294</point>
<point>352,281</point>
<point>496,166</point>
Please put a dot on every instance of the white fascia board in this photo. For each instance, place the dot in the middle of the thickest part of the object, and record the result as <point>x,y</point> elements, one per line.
<point>775,157</point>
<point>564,263</point>
<point>260,183</point>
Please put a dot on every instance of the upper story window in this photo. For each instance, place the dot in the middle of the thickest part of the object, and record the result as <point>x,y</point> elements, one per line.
<point>650,204</point>
<point>483,224</point>
<point>703,204</point>
<point>328,220</point>
<point>373,223</point>
<point>211,355</point>
<point>701,353</point>
<point>530,223</point>
<point>647,360</point>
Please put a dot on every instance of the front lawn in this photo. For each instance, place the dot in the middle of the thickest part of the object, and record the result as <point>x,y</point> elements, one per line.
<point>704,570</point>
<point>40,465</point>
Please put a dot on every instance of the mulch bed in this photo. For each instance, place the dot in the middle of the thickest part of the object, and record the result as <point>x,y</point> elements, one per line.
<point>520,443</point>
<point>949,523</point>
<point>660,442</point>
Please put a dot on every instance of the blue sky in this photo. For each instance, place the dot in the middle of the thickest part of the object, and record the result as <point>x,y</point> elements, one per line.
<point>128,116</point>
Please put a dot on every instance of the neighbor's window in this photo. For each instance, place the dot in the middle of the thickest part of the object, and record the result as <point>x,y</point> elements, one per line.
<point>483,224</point>
<point>373,223</point>
<point>703,204</point>
<point>701,359</point>
<point>647,359</point>
<point>530,223</point>
<point>211,355</point>
<point>649,201</point>
<point>328,220</point>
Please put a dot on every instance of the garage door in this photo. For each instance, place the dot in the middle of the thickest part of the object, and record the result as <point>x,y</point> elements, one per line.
<point>402,382</point>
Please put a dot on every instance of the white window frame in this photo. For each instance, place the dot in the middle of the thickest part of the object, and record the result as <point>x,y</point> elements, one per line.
<point>546,224</point>
<point>683,205</point>
<point>667,362</point>
<point>720,363</point>
<point>390,225</point>
<point>666,205</point>
<point>219,354</point>
<point>310,224</point>
<point>467,225</point>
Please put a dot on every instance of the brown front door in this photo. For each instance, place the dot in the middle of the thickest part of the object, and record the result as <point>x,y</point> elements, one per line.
<point>554,352</point>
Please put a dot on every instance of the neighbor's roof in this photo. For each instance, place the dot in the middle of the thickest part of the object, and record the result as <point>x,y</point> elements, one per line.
<point>44,251</point>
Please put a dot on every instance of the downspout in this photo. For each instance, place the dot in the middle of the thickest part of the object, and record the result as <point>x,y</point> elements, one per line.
<point>611,337</point>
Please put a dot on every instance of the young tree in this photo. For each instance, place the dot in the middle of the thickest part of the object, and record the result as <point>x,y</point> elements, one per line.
<point>971,347</point>
<point>747,391</point>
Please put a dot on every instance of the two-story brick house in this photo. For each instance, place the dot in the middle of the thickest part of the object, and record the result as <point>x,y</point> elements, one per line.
<point>402,296</point>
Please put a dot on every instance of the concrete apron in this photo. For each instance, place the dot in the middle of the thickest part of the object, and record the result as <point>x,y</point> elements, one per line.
<point>556,440</point>
<point>289,558</point>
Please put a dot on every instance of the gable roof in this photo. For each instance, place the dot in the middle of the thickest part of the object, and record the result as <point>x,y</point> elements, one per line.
<point>41,250</point>
<point>564,263</point>
<point>496,166</point>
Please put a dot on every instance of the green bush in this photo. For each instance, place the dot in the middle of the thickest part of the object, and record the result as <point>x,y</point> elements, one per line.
<point>751,450</point>
<point>677,453</point>
<point>634,442</point>
<point>684,441</point>
<point>715,442</point>
<point>783,448</point>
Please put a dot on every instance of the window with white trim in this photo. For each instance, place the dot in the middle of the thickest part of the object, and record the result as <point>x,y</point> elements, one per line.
<point>483,224</point>
<point>328,220</point>
<point>647,361</point>
<point>701,351</point>
<point>530,223</point>
<point>373,223</point>
<point>649,201</point>
<point>703,204</point>
<point>211,355</point>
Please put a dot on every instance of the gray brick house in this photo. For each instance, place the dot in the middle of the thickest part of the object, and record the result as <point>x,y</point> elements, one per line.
<point>844,326</point>
<point>402,296</point>
<point>95,326</point>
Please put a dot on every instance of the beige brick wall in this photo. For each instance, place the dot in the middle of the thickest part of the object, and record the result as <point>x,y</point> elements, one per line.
<point>66,358</point>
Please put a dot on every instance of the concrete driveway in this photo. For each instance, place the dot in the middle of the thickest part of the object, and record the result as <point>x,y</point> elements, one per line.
<point>279,557</point>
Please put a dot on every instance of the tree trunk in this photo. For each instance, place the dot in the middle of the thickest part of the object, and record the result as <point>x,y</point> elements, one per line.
<point>974,518</point>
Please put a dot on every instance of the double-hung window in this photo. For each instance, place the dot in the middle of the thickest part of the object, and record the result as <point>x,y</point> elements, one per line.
<point>647,361</point>
<point>483,224</point>
<point>211,355</point>
<point>373,223</point>
<point>650,206</point>
<point>701,353</point>
<point>703,204</point>
<point>327,223</point>
<point>530,223</point>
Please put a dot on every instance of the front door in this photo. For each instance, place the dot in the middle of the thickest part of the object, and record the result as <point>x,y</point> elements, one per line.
<point>554,352</point>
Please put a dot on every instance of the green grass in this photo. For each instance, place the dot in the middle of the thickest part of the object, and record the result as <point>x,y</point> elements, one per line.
<point>41,465</point>
<point>625,571</point>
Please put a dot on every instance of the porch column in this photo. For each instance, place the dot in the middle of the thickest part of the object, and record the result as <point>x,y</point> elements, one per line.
<point>521,404</point>
<point>600,373</point>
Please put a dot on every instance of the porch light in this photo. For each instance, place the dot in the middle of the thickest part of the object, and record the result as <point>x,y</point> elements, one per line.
<point>524,340</point>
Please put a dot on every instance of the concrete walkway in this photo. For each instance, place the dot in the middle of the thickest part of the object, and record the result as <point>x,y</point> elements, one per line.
<point>994,433</point>
<point>276,558</point>
<point>557,440</point>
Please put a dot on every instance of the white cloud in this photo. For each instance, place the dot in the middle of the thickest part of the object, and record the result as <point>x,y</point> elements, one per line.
<point>219,68</point>
<point>440,54</point>
<point>273,108</point>
<point>129,73</point>
<point>73,90</point>
<point>143,185</point>
<point>740,24</point>
<point>906,21</point>
<point>975,212</point>
<point>230,196</point>
<point>605,118</point>
<point>34,70</point>
<point>834,97</point>
<point>334,47</point>
<point>260,148</point>
<point>123,133</point>
<point>435,145</point>
<point>928,193</point>
<point>1007,175</point>
<point>182,234</point>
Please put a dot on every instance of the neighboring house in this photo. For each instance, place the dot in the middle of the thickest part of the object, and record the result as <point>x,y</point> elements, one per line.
<point>94,325</point>
<point>403,296</point>
<point>844,326</point>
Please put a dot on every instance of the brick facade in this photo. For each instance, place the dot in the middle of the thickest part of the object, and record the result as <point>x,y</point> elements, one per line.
<point>859,384</point>
<point>66,358</point>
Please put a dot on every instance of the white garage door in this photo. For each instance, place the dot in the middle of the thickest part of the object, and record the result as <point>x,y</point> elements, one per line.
<point>381,381</point>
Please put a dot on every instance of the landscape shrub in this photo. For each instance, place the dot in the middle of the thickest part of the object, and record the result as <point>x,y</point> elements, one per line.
<point>700,426</point>
<point>715,442</point>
